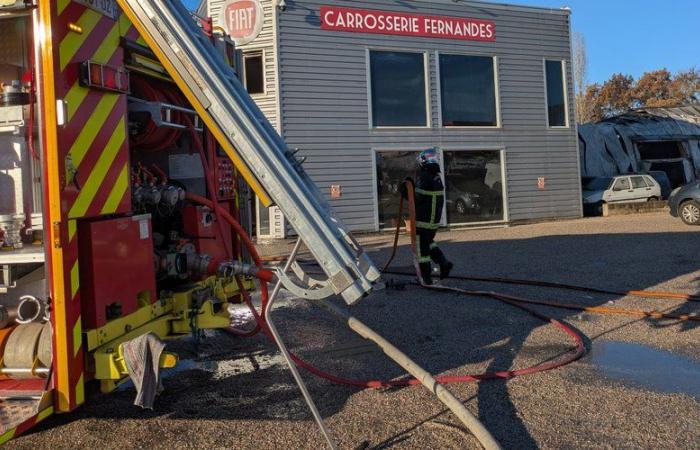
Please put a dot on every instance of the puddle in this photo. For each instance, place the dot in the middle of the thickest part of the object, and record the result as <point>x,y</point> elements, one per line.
<point>658,370</point>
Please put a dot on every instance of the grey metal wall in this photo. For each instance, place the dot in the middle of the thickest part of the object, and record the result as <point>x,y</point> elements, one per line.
<point>265,42</point>
<point>325,105</point>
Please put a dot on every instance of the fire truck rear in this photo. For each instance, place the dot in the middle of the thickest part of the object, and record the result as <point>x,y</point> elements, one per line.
<point>129,158</point>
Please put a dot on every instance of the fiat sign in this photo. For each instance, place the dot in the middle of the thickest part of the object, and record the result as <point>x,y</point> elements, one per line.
<point>242,19</point>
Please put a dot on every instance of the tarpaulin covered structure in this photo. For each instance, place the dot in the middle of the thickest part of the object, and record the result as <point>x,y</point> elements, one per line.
<point>664,139</point>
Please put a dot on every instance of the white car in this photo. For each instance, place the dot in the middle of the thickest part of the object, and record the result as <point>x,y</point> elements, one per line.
<point>620,189</point>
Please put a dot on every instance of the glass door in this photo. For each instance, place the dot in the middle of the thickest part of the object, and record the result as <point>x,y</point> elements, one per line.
<point>474,183</point>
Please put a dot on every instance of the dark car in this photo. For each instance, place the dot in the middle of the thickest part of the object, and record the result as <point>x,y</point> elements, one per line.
<point>685,203</point>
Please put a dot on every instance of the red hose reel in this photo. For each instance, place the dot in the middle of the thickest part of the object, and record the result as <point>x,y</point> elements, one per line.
<point>151,137</point>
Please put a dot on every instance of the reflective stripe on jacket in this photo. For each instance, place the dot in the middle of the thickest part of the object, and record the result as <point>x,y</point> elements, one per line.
<point>430,199</point>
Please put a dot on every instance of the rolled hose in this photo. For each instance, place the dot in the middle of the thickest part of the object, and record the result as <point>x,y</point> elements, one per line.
<point>30,309</point>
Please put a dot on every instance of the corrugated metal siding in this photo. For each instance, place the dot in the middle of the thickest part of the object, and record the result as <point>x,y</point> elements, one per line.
<point>266,42</point>
<point>325,105</point>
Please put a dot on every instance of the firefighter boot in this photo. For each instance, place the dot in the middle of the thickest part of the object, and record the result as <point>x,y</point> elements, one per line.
<point>445,269</point>
<point>426,273</point>
<point>445,266</point>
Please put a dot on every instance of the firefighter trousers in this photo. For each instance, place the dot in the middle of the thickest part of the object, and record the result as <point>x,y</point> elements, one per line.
<point>428,251</point>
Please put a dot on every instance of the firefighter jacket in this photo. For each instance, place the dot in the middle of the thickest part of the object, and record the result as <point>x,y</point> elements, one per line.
<point>430,199</point>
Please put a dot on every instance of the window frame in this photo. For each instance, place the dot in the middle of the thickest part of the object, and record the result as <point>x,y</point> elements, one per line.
<point>496,84</point>
<point>620,180</point>
<point>644,182</point>
<point>407,148</point>
<point>441,152</point>
<point>247,54</point>
<point>504,174</point>
<point>565,87</point>
<point>428,96</point>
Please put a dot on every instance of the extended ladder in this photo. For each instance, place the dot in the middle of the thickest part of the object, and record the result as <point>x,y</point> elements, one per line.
<point>259,152</point>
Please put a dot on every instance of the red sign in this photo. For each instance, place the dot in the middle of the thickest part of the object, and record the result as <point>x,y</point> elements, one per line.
<point>404,24</point>
<point>242,19</point>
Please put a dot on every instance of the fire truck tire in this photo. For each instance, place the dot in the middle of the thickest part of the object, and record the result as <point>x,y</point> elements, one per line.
<point>21,348</point>
<point>44,351</point>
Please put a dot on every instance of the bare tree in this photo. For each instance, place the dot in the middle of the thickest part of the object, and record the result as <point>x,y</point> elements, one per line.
<point>580,63</point>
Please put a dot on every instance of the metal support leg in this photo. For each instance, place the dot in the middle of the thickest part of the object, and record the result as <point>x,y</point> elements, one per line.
<point>285,352</point>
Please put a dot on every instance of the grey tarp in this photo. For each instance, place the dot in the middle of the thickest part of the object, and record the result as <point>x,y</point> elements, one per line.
<point>608,147</point>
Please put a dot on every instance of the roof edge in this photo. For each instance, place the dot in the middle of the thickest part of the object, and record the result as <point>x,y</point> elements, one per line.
<point>565,10</point>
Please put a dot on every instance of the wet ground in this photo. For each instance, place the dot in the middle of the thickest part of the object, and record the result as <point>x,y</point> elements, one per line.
<point>647,367</point>
<point>636,388</point>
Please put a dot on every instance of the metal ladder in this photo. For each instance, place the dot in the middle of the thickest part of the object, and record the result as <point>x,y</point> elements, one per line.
<point>259,152</point>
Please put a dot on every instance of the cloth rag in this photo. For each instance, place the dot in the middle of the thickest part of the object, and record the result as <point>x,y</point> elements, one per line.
<point>142,359</point>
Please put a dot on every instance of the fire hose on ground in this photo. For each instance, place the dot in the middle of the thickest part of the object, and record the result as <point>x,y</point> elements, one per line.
<point>434,384</point>
<point>420,376</point>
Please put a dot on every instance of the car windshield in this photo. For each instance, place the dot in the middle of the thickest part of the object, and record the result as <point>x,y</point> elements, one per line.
<point>597,184</point>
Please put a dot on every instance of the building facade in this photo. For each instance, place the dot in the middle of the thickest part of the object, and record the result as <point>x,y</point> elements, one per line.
<point>361,87</point>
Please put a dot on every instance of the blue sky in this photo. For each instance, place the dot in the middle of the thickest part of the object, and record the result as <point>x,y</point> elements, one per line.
<point>630,36</point>
<point>634,36</point>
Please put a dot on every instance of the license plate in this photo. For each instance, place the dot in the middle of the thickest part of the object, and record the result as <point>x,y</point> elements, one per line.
<point>107,7</point>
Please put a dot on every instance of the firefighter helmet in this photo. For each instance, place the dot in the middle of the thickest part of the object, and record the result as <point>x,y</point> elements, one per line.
<point>428,157</point>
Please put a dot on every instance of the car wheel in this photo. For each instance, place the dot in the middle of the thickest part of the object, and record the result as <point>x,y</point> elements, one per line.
<point>690,212</point>
<point>653,199</point>
<point>461,207</point>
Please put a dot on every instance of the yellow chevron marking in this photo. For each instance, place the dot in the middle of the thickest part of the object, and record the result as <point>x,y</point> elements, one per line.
<point>97,176</point>
<point>74,279</point>
<point>7,436</point>
<point>92,128</point>
<point>109,45</point>
<point>124,24</point>
<point>77,338</point>
<point>104,53</point>
<point>62,4</point>
<point>80,391</point>
<point>72,229</point>
<point>74,98</point>
<point>73,41</point>
<point>44,414</point>
<point>117,194</point>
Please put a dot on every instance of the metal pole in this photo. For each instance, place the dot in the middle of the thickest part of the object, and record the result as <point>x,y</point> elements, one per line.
<point>467,418</point>
<point>285,353</point>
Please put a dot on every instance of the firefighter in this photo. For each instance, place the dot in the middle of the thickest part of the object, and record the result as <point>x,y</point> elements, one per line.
<point>430,201</point>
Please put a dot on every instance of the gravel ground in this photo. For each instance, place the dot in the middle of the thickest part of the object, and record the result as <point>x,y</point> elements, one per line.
<point>237,393</point>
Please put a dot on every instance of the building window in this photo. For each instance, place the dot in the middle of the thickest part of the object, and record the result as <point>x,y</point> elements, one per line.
<point>556,94</point>
<point>392,169</point>
<point>398,89</point>
<point>254,72</point>
<point>468,91</point>
<point>474,186</point>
